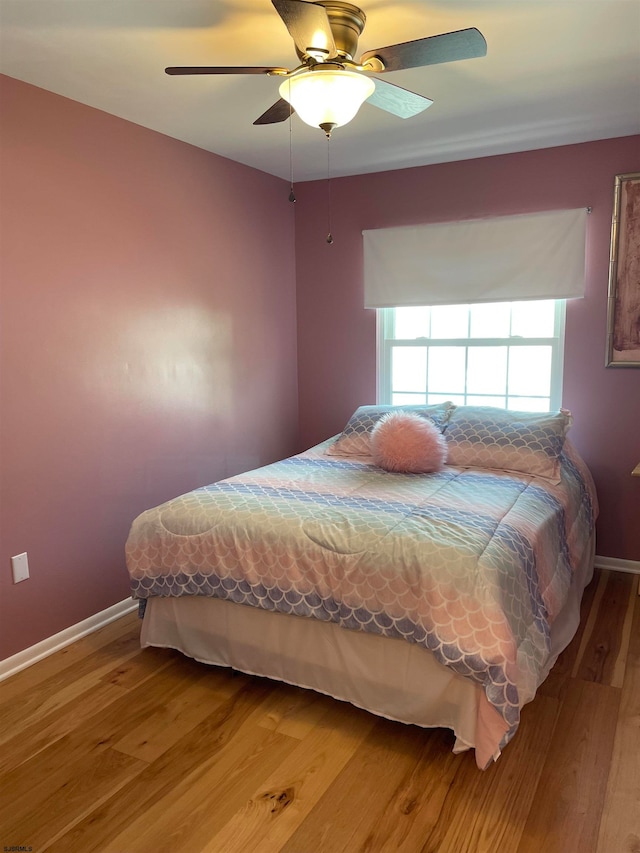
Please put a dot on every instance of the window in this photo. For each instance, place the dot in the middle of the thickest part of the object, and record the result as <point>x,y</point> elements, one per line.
<point>504,354</point>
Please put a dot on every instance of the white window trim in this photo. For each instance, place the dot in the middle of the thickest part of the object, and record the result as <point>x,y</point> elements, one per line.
<point>384,347</point>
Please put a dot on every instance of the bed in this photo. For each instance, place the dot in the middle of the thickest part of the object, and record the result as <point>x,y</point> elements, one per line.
<point>438,599</point>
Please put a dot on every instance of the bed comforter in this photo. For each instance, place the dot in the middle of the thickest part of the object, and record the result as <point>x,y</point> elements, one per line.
<point>473,565</point>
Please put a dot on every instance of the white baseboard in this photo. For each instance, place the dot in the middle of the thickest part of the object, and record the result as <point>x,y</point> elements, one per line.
<point>616,565</point>
<point>21,660</point>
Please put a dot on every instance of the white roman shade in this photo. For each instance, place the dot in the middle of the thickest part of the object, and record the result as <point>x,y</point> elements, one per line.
<point>529,256</point>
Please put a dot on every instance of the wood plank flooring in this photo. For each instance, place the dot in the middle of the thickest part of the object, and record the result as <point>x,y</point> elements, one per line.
<point>107,747</point>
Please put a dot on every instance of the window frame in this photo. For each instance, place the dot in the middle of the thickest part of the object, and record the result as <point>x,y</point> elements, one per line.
<point>386,344</point>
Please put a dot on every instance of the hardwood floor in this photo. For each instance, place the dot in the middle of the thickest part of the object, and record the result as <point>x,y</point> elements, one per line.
<point>107,747</point>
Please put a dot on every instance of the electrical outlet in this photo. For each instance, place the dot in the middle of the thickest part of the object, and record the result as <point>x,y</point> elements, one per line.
<point>20,567</point>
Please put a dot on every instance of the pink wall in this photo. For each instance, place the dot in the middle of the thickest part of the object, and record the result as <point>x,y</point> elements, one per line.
<point>148,342</point>
<point>337,336</point>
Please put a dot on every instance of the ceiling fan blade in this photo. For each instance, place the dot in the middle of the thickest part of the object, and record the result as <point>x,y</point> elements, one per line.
<point>280,111</point>
<point>224,69</point>
<point>448,47</point>
<point>308,26</point>
<point>398,101</point>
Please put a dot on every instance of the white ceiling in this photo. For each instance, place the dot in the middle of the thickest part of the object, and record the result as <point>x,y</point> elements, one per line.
<point>556,72</point>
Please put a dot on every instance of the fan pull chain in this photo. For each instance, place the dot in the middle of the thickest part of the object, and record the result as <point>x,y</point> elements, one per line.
<point>292,195</point>
<point>329,237</point>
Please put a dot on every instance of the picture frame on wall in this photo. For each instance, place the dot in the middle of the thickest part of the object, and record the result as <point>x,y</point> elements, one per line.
<point>623,311</point>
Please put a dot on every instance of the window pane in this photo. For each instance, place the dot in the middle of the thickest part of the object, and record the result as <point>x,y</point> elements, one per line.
<point>458,399</point>
<point>409,369</point>
<point>408,399</point>
<point>450,321</point>
<point>533,319</point>
<point>530,371</point>
<point>485,354</point>
<point>490,320</point>
<point>446,369</point>
<point>487,370</point>
<point>498,402</point>
<point>528,404</point>
<point>412,323</point>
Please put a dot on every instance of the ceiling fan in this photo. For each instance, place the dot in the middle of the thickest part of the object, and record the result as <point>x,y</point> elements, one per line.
<point>328,86</point>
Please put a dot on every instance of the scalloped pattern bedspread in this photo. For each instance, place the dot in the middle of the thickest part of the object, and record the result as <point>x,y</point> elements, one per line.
<point>473,565</point>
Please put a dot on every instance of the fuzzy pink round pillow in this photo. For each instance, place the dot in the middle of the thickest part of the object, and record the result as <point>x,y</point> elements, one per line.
<point>408,443</point>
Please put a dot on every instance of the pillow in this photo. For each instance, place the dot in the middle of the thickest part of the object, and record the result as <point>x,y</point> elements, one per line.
<point>409,443</point>
<point>354,439</point>
<point>525,442</point>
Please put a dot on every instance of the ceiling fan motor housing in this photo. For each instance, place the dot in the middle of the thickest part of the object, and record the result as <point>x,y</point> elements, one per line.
<point>346,22</point>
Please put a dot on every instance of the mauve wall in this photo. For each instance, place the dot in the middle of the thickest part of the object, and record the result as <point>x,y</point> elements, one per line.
<point>337,336</point>
<point>148,342</point>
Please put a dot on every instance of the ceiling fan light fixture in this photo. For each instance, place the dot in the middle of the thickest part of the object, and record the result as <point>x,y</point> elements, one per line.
<point>327,97</point>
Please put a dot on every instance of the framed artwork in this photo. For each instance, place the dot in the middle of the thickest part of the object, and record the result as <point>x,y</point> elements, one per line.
<point>623,314</point>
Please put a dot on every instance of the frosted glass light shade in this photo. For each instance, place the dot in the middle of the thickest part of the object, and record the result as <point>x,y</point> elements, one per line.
<point>327,97</point>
